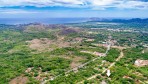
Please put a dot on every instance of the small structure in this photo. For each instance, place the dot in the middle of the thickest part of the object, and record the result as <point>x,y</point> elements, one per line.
<point>141,63</point>
<point>76,69</point>
<point>28,70</point>
<point>52,78</point>
<point>78,39</point>
<point>145,45</point>
<point>103,82</point>
<point>103,61</point>
<point>99,54</point>
<point>143,51</point>
<point>126,77</point>
<point>90,40</point>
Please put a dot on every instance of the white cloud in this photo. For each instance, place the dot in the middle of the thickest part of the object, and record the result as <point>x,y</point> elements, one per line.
<point>94,4</point>
<point>18,11</point>
<point>134,5</point>
<point>102,2</point>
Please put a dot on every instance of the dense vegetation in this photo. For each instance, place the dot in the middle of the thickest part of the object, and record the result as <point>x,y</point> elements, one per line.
<point>65,52</point>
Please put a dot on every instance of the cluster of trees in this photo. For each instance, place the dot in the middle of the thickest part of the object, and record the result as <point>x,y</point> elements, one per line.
<point>74,78</point>
<point>16,57</point>
<point>112,55</point>
<point>124,71</point>
<point>71,51</point>
<point>125,67</point>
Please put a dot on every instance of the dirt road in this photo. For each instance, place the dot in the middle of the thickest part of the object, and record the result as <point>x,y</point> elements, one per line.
<point>111,65</point>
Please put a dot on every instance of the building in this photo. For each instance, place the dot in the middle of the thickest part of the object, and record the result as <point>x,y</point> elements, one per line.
<point>141,63</point>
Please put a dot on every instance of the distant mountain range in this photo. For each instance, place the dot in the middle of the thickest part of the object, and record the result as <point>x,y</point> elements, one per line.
<point>134,20</point>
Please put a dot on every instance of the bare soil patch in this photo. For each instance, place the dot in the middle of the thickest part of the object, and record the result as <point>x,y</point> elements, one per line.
<point>45,44</point>
<point>39,44</point>
<point>94,53</point>
<point>118,47</point>
<point>76,62</point>
<point>19,80</point>
<point>67,31</point>
<point>34,28</point>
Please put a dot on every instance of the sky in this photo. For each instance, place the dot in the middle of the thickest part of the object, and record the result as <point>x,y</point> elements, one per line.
<point>73,8</point>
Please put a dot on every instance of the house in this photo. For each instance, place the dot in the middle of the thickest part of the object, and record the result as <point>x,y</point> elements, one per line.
<point>141,63</point>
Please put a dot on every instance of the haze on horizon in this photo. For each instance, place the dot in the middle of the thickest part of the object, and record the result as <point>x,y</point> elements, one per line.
<point>73,8</point>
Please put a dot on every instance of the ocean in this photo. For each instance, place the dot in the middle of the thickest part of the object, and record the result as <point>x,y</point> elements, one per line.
<point>41,20</point>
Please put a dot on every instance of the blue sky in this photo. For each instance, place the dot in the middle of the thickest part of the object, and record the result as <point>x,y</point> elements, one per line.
<point>73,8</point>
